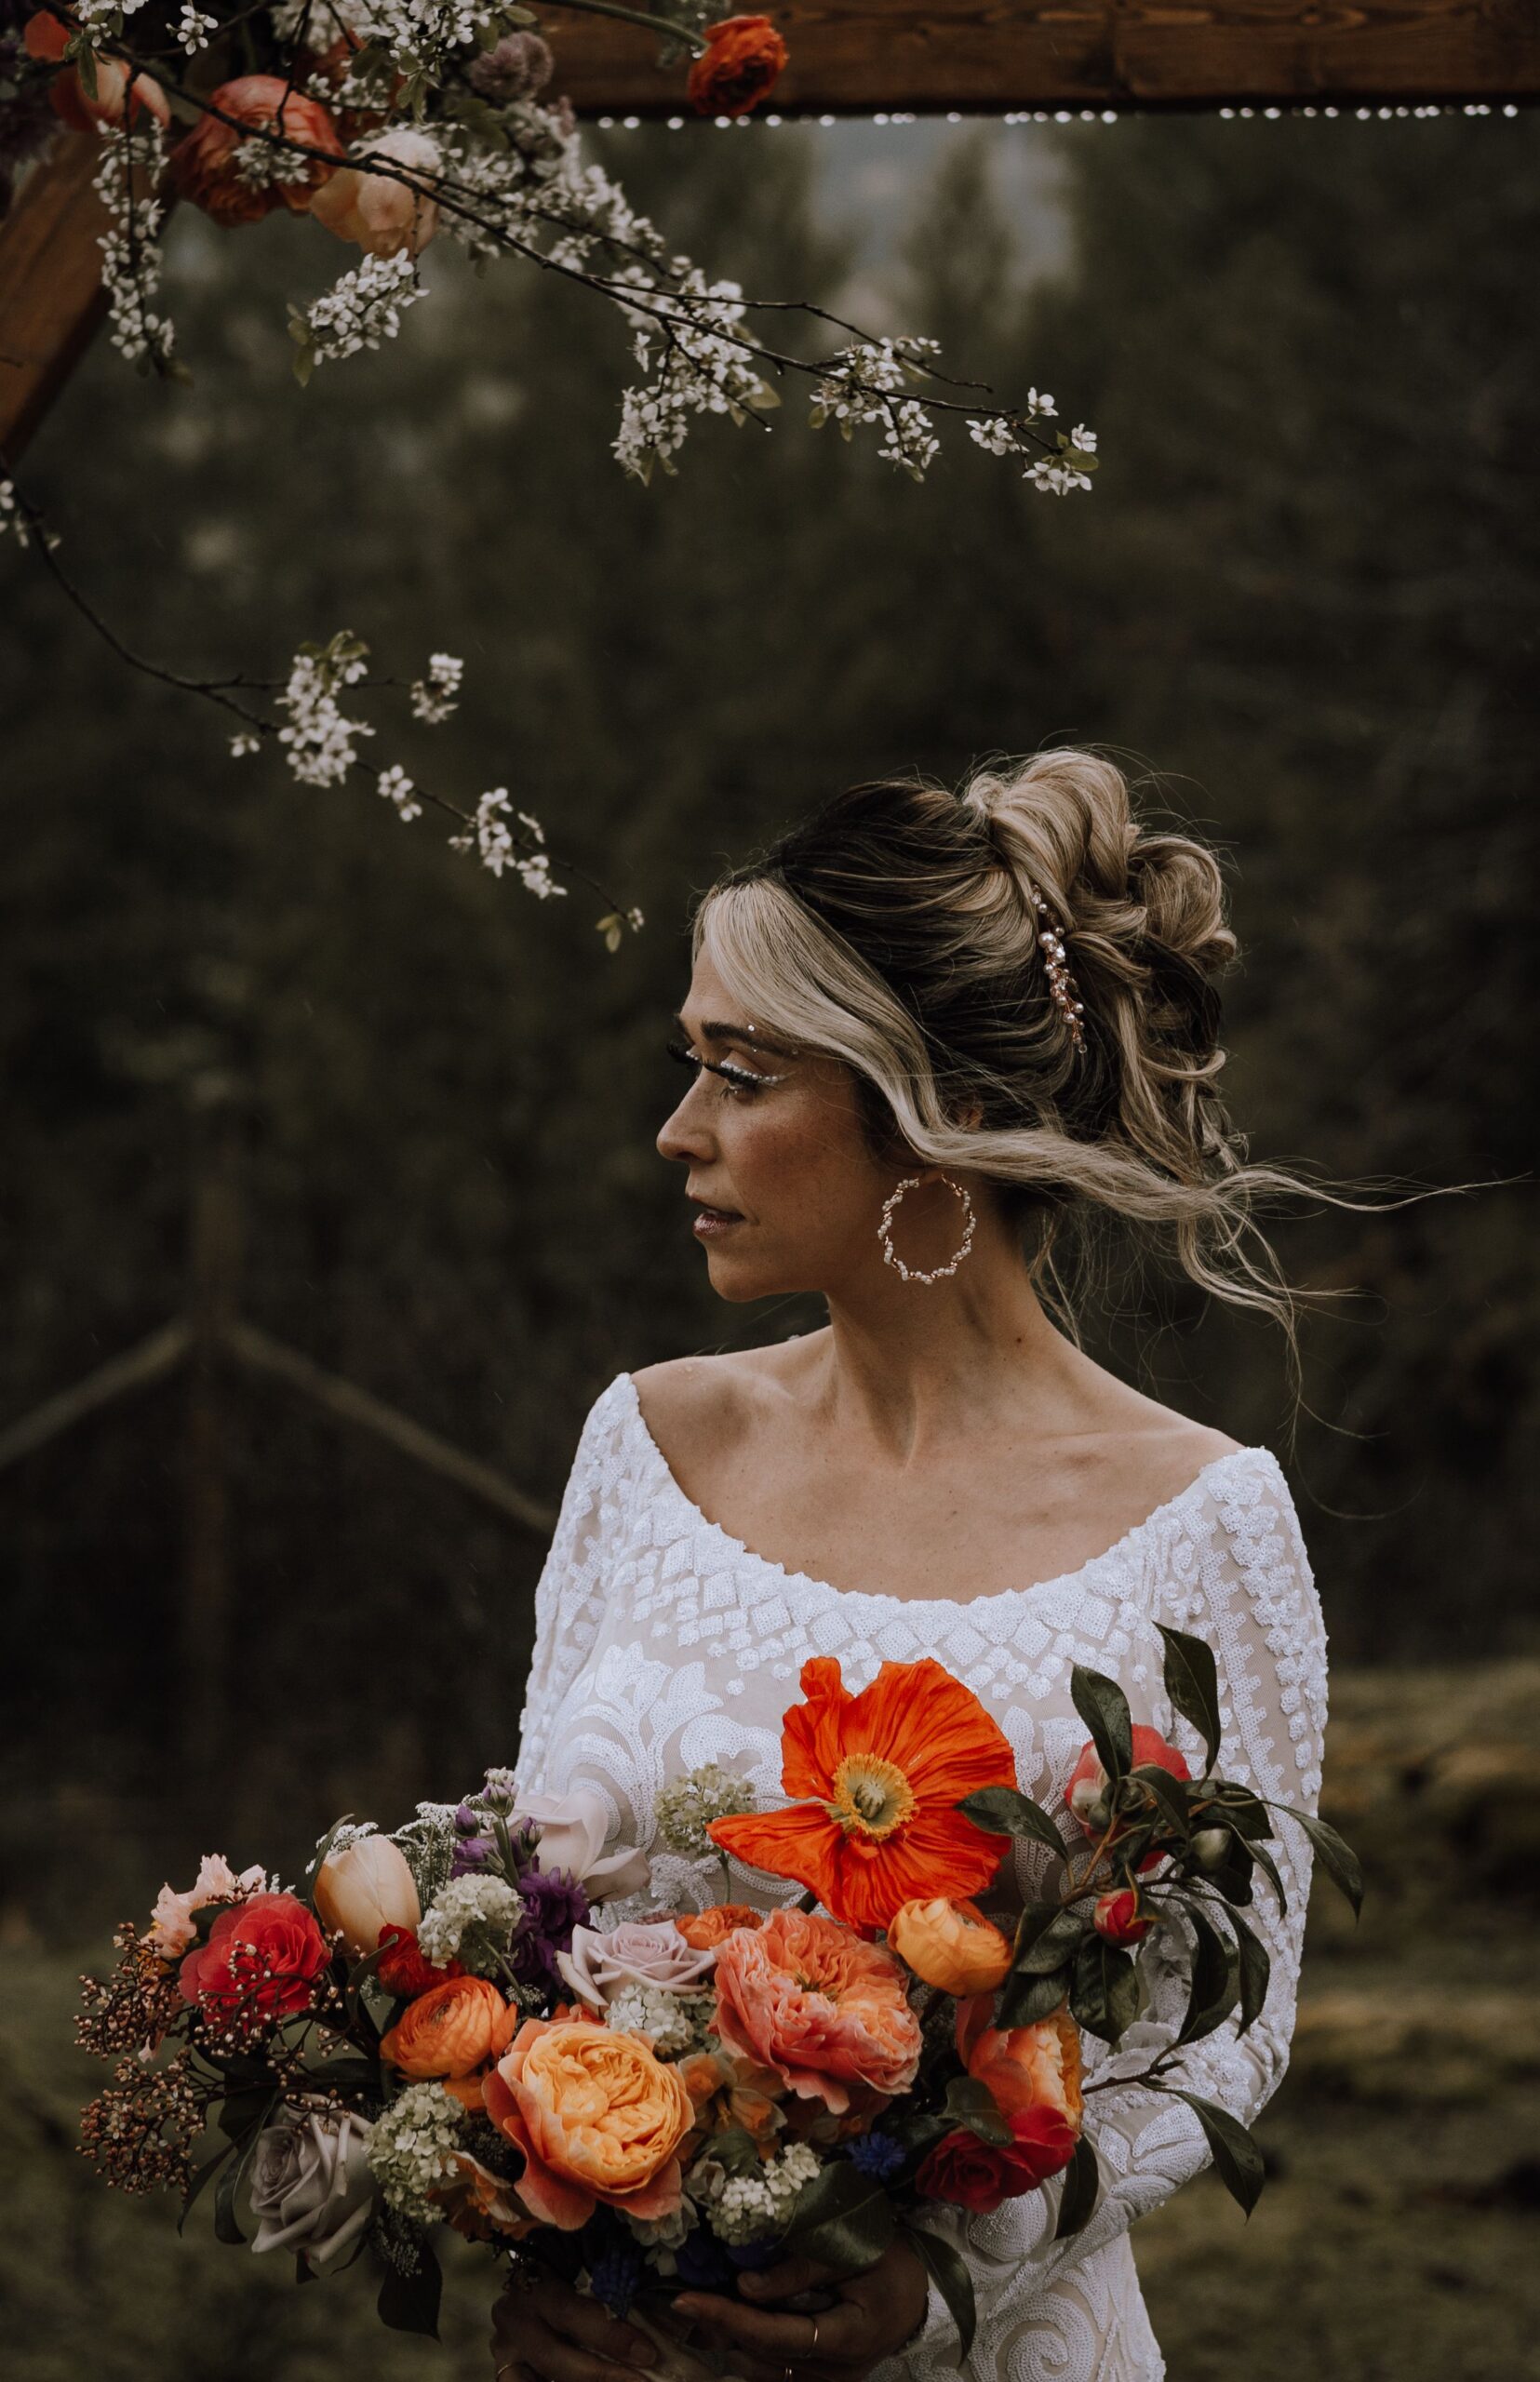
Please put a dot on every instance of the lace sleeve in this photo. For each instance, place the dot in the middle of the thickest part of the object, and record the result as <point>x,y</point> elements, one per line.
<point>1249,1591</point>
<point>571,1582</point>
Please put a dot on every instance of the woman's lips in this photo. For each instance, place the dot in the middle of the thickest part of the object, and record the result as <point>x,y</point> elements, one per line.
<point>710,1222</point>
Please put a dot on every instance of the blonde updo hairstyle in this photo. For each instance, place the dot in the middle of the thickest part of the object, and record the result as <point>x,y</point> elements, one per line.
<point>896,930</point>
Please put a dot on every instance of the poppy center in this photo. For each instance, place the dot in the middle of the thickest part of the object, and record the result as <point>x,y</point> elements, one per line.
<point>871,1796</point>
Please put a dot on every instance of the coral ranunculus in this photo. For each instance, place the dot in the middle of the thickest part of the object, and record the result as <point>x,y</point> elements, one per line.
<point>597,2116</point>
<point>1024,2068</point>
<point>951,1946</point>
<point>741,60</point>
<point>115,95</point>
<point>260,1964</point>
<point>704,1929</point>
<point>979,2176</point>
<point>452,2032</point>
<point>206,163</point>
<point>827,2013</point>
<point>876,1779</point>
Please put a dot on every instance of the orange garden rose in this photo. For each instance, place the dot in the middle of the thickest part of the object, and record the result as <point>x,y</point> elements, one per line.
<point>451,2033</point>
<point>951,1945</point>
<point>115,95</point>
<point>741,60</point>
<point>1025,2068</point>
<point>598,2117</point>
<point>826,2012</point>
<point>875,1779</point>
<point>204,162</point>
<point>704,1929</point>
<point>728,2091</point>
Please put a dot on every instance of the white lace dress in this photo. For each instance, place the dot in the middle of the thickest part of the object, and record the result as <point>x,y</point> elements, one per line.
<point>662,1643</point>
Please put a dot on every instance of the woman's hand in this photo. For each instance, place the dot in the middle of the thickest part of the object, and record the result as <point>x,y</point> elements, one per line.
<point>546,2332</point>
<point>873,2315</point>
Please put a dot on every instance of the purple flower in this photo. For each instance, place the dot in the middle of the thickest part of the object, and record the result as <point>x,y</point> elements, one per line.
<point>554,1904</point>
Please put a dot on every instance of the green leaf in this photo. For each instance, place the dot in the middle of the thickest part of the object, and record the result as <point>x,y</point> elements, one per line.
<point>1105,1710</point>
<point>1027,1998</point>
<point>1257,1968</point>
<point>1237,2161</point>
<point>1215,1980</point>
<point>948,2270</point>
<point>971,2104</point>
<point>843,2219</point>
<point>1192,1684</point>
<point>1104,1993</point>
<point>227,2226</point>
<point>1246,1813</point>
<point>1000,1811</point>
<point>734,2149</point>
<point>204,2177</point>
<point>244,2110</point>
<point>1082,2186</point>
<point>1170,1796</point>
<point>1045,1939</point>
<point>409,2302</point>
<point>1337,1858</point>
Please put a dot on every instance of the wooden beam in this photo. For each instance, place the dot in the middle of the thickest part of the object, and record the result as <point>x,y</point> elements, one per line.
<point>50,283</point>
<point>853,57</point>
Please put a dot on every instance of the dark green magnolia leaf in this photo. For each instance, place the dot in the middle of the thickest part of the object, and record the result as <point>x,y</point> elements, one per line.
<point>350,2074</point>
<point>843,2219</point>
<point>1192,1684</point>
<point>1246,1813</point>
<point>245,2109</point>
<point>1000,1811</point>
<point>204,2177</point>
<point>227,2226</point>
<point>1268,1866</point>
<point>1027,1998</point>
<point>1170,1796</point>
<point>1232,1877</point>
<point>971,2104</point>
<point>1082,2186</point>
<point>1338,1859</point>
<point>1215,1980</point>
<point>1237,2161</point>
<point>948,2272</point>
<point>408,2301</point>
<point>1104,1992</point>
<point>1045,1939</point>
<point>1256,1967</point>
<point>1105,1710</point>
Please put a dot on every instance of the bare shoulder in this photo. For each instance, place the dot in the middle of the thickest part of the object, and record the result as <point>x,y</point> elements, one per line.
<point>1152,1451</point>
<point>712,1405</point>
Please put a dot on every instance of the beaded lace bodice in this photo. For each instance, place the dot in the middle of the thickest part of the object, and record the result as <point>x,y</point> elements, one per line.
<point>662,1643</point>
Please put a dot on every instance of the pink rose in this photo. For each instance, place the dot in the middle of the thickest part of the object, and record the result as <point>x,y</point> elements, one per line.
<point>644,1952</point>
<point>384,216</point>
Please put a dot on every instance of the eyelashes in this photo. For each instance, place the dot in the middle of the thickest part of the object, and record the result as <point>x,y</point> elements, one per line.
<point>740,1081</point>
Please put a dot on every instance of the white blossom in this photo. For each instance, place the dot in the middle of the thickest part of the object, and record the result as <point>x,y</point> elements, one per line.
<point>433,697</point>
<point>133,160</point>
<point>244,741</point>
<point>863,387</point>
<point>411,2149</point>
<point>12,520</point>
<point>753,2208</point>
<point>473,1921</point>
<point>195,29</point>
<point>491,834</point>
<point>320,743</point>
<point>398,788</point>
<point>360,310</point>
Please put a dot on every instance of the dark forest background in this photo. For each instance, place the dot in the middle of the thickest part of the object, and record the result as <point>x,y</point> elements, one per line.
<point>1305,591</point>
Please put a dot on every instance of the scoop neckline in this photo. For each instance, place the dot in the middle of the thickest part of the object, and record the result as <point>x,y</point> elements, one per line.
<point>1192,1494</point>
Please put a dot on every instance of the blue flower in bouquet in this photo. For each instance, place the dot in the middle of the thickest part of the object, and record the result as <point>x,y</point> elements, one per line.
<point>750,2256</point>
<point>877,2156</point>
<point>616,2278</point>
<point>554,1903</point>
<point>702,2263</point>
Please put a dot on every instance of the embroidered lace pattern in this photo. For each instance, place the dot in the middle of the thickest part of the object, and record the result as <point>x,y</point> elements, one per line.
<point>662,1643</point>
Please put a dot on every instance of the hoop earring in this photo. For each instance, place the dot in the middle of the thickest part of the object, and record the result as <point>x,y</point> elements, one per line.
<point>885,1231</point>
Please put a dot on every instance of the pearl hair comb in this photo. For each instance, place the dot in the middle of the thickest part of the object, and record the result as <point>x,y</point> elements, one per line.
<point>1061,987</point>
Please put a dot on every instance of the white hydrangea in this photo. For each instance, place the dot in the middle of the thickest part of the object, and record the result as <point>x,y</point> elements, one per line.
<point>674,2023</point>
<point>411,2149</point>
<point>754,2208</point>
<point>472,1920</point>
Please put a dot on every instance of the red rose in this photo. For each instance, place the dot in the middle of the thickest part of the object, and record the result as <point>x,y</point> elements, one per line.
<point>259,1963</point>
<point>1088,1780</point>
<point>1116,1916</point>
<point>742,59</point>
<point>980,2174</point>
<point>205,163</point>
<point>403,1970</point>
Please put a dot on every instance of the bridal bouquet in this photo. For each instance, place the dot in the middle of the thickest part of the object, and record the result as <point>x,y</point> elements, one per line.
<point>488,2020</point>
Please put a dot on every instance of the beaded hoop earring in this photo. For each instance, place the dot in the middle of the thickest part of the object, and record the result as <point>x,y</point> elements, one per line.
<point>885,1231</point>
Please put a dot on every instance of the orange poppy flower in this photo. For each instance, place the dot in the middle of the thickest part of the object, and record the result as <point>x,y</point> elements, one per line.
<point>876,1777</point>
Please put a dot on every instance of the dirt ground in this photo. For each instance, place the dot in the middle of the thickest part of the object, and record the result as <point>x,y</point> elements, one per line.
<point>1397,2241</point>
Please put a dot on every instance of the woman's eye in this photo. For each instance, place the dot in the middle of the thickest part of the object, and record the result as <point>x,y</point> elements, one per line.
<point>739,1083</point>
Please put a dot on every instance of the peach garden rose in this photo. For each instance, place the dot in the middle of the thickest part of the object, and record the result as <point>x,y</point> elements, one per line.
<point>597,2116</point>
<point>805,1997</point>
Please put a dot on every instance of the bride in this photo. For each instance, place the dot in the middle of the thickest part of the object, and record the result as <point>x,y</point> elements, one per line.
<point>927,1033</point>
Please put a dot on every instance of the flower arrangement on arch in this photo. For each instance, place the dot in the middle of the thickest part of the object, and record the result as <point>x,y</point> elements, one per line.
<point>489,2020</point>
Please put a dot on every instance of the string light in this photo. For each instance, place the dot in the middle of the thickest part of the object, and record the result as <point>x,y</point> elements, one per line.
<point>1418,112</point>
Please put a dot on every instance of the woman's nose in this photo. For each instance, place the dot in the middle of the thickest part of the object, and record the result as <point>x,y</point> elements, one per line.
<point>684,1136</point>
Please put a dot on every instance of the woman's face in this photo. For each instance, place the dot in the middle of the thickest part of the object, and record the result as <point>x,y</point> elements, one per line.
<point>785,1188</point>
